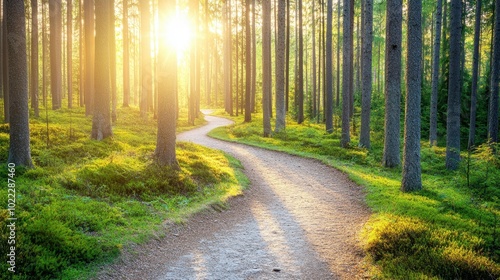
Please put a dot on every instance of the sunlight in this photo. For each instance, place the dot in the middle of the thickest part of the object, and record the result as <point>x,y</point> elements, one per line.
<point>178,32</point>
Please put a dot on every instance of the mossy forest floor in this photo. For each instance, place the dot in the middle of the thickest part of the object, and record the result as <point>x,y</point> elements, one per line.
<point>449,230</point>
<point>86,201</point>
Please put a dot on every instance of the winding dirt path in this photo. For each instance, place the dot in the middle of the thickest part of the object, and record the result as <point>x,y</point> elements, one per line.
<point>300,219</point>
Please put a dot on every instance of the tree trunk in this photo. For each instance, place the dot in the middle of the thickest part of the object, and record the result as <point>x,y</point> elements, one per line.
<point>366,72</point>
<point>207,56</point>
<point>313,61</point>
<point>280,68</point>
<point>55,52</point>
<point>495,79</point>
<point>412,171</point>
<point>146,75</point>
<point>167,83</point>
<point>89,56</point>
<point>320,73</point>
<point>254,57</point>
<point>391,156</point>
<point>300,75</point>
<point>328,69</point>
<point>444,51</point>
<point>112,59</point>
<point>347,85</point>
<point>357,63</point>
<point>338,54</point>
<point>228,100</point>
<point>435,78</point>
<point>198,60</point>
<point>241,88</point>
<point>34,57</point>
<point>248,64</point>
<point>351,66</point>
<point>475,68</point>
<point>237,58</point>
<point>5,65</point>
<point>80,55</point>
<point>19,149</point>
<point>44,57</point>
<point>126,63</point>
<point>287,57</point>
<point>69,52</point>
<point>101,122</point>
<point>266,66</point>
<point>2,94</point>
<point>453,112</point>
<point>379,69</point>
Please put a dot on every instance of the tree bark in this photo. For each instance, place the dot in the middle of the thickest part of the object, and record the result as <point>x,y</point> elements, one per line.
<point>495,79</point>
<point>34,58</point>
<point>266,66</point>
<point>112,59</point>
<point>475,68</point>
<point>412,171</point>
<point>347,85</point>
<point>126,59</point>
<point>89,56</point>
<point>44,57</point>
<point>337,104</point>
<point>248,64</point>
<point>197,42</point>
<point>328,69</point>
<point>320,74</point>
<point>146,75</point>
<point>55,52</point>
<point>167,83</point>
<point>80,55</point>
<point>280,68</point>
<point>101,122</point>
<point>2,94</point>
<point>453,112</point>
<point>351,67</point>
<point>228,100</point>
<point>391,156</point>
<point>69,51</point>
<point>19,149</point>
<point>254,57</point>
<point>435,78</point>
<point>287,57</point>
<point>313,61</point>
<point>300,75</point>
<point>237,58</point>
<point>366,72</point>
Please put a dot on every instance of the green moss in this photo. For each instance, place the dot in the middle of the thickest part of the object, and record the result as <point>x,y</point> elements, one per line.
<point>85,200</point>
<point>449,230</point>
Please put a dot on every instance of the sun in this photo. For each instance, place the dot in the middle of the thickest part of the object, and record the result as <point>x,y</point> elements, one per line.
<point>178,32</point>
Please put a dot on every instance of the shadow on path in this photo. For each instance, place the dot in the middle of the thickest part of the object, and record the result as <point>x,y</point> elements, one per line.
<point>299,219</point>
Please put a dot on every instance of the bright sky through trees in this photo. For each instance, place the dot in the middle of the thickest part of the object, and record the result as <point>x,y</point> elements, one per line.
<point>179,33</point>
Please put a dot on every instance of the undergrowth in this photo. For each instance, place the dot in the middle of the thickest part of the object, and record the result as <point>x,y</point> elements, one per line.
<point>86,201</point>
<point>449,230</point>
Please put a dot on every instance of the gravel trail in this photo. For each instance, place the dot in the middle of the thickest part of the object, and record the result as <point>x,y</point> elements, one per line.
<point>300,219</point>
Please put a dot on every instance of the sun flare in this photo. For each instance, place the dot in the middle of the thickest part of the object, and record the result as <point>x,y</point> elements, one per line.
<point>178,32</point>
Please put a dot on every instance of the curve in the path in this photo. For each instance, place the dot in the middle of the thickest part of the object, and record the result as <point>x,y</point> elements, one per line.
<point>299,219</point>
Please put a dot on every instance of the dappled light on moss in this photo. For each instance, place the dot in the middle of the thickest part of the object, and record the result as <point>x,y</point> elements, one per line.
<point>448,230</point>
<point>86,200</point>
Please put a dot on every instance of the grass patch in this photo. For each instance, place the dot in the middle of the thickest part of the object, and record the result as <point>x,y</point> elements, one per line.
<point>449,230</point>
<point>87,200</point>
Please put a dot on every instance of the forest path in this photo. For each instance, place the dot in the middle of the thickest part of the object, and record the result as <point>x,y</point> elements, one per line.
<point>299,219</point>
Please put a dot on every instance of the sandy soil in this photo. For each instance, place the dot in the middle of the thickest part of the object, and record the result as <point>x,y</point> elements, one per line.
<point>299,219</point>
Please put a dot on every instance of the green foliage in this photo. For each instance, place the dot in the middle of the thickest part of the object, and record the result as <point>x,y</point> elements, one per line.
<point>445,231</point>
<point>86,200</point>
